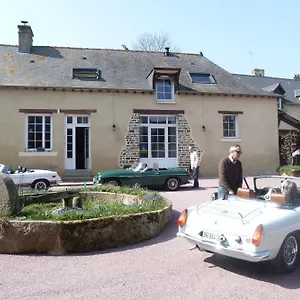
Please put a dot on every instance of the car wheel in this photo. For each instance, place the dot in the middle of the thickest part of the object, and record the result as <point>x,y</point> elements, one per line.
<point>172,184</point>
<point>113,182</point>
<point>40,184</point>
<point>287,258</point>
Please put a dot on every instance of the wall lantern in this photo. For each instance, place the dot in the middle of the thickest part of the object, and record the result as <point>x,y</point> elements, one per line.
<point>114,127</point>
<point>203,128</point>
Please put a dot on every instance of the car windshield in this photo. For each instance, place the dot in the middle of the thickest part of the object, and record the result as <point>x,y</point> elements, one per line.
<point>139,167</point>
<point>4,169</point>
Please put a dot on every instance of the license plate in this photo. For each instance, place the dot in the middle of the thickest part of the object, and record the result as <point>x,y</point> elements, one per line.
<point>211,236</point>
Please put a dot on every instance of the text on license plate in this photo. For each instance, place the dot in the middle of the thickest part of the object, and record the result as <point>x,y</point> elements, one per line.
<point>210,236</point>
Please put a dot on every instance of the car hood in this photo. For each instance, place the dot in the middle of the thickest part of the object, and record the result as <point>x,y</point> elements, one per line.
<point>118,172</point>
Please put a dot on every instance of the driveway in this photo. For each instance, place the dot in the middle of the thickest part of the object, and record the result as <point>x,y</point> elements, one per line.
<point>161,268</point>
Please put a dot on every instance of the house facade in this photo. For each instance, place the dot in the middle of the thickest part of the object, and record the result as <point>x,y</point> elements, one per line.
<point>288,102</point>
<point>73,109</point>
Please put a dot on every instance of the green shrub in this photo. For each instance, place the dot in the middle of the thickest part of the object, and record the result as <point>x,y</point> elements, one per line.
<point>289,170</point>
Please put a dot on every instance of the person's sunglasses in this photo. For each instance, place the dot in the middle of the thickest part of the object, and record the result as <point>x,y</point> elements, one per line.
<point>238,152</point>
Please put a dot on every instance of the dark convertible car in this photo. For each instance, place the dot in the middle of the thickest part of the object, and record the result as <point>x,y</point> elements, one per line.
<point>141,174</point>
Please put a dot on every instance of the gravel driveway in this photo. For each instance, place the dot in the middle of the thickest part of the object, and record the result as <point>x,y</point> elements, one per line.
<point>161,268</point>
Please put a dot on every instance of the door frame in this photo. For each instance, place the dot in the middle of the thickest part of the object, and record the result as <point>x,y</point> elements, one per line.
<point>71,164</point>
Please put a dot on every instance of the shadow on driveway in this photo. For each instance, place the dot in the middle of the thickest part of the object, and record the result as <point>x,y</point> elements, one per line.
<point>259,271</point>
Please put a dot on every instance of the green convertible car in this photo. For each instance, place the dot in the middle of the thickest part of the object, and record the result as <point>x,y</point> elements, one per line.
<point>170,179</point>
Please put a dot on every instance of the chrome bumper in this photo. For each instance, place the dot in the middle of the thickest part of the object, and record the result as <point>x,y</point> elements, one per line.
<point>220,249</point>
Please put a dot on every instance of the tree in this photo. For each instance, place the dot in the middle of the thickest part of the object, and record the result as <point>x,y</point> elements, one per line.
<point>154,42</point>
<point>288,146</point>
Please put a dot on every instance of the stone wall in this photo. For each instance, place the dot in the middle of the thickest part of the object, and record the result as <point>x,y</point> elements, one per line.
<point>185,139</point>
<point>63,237</point>
<point>130,152</point>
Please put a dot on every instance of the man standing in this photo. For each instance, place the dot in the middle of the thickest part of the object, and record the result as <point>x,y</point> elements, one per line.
<point>194,165</point>
<point>230,172</point>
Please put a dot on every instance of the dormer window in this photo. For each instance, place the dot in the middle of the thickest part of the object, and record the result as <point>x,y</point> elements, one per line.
<point>164,90</point>
<point>203,78</point>
<point>165,82</point>
<point>86,73</point>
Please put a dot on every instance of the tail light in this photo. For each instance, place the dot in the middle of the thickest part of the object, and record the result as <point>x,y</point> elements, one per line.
<point>257,235</point>
<point>182,218</point>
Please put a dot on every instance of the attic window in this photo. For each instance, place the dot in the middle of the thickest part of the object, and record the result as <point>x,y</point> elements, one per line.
<point>86,73</point>
<point>203,78</point>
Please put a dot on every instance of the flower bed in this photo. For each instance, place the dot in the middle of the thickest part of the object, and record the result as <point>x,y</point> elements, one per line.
<point>103,221</point>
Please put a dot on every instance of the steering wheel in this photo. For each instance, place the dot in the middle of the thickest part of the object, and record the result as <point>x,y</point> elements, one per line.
<point>267,196</point>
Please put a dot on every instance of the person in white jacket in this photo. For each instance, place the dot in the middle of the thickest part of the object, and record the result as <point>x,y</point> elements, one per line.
<point>194,165</point>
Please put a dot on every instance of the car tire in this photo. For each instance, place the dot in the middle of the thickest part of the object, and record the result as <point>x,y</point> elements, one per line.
<point>40,184</point>
<point>288,255</point>
<point>112,181</point>
<point>172,184</point>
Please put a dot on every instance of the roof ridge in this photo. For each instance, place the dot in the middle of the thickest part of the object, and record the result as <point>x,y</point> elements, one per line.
<point>105,49</point>
<point>271,77</point>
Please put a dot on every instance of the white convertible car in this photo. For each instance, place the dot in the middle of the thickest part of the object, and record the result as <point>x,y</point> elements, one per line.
<point>259,224</point>
<point>34,179</point>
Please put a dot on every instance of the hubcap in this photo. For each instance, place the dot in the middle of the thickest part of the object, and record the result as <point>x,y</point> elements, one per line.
<point>290,250</point>
<point>173,183</point>
<point>114,183</point>
<point>40,185</point>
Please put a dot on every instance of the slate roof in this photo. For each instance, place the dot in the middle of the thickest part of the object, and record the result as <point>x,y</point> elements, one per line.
<point>49,66</point>
<point>268,83</point>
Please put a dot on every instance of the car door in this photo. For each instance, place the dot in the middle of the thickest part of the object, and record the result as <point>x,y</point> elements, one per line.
<point>149,178</point>
<point>18,178</point>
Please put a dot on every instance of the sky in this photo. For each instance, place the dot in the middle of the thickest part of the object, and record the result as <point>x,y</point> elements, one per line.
<point>237,35</point>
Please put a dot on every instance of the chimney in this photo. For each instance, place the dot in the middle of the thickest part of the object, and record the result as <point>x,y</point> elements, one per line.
<point>297,76</point>
<point>167,51</point>
<point>258,72</point>
<point>25,37</point>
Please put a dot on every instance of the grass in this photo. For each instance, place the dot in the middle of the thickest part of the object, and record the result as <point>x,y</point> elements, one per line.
<point>151,201</point>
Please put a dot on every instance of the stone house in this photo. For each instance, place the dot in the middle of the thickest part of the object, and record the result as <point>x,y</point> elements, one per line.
<point>82,110</point>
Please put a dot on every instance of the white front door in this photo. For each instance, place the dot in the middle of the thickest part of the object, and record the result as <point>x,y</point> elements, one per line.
<point>77,142</point>
<point>70,147</point>
<point>158,141</point>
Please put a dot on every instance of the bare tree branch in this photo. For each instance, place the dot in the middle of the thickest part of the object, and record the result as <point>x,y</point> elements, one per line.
<point>154,42</point>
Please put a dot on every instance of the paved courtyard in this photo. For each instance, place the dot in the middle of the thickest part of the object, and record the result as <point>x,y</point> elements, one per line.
<point>161,268</point>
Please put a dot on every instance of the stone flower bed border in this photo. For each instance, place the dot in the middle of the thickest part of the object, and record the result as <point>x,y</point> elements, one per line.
<point>61,237</point>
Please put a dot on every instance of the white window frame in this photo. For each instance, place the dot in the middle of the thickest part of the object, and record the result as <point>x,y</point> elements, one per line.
<point>43,133</point>
<point>165,126</point>
<point>235,125</point>
<point>172,100</point>
<point>280,104</point>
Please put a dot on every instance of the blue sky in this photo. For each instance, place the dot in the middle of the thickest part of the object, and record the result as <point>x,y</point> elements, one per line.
<point>237,35</point>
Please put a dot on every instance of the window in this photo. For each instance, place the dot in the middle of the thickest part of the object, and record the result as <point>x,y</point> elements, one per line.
<point>164,90</point>
<point>38,133</point>
<point>203,78</point>
<point>158,137</point>
<point>280,103</point>
<point>229,126</point>
<point>86,73</point>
